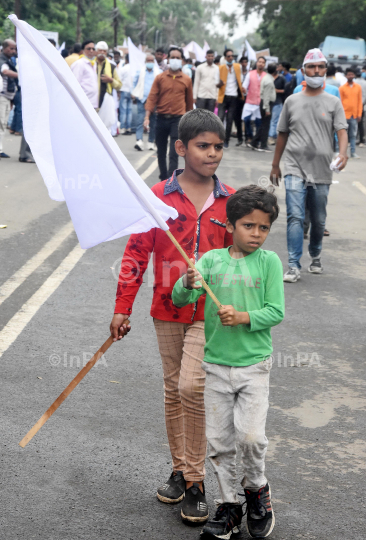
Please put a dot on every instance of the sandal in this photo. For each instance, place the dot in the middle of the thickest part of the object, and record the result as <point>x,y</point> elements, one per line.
<point>326,232</point>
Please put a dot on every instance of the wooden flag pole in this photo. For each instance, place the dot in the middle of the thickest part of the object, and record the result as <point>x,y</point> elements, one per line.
<point>190,263</point>
<point>61,398</point>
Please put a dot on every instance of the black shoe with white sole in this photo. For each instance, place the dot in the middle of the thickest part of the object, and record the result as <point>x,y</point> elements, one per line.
<point>194,508</point>
<point>173,490</point>
<point>260,515</point>
<point>225,523</point>
<point>315,266</point>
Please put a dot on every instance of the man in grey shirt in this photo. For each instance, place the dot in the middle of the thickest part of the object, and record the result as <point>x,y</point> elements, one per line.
<point>306,129</point>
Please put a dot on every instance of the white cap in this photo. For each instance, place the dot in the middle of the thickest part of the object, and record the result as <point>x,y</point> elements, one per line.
<point>314,55</point>
<point>102,46</point>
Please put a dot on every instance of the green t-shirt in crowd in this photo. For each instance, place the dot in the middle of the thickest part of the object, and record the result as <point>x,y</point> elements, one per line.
<point>253,284</point>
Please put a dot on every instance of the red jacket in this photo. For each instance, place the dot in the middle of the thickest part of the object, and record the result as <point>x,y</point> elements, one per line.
<point>196,235</point>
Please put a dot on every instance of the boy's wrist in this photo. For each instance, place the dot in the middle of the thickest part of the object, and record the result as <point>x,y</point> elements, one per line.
<point>244,317</point>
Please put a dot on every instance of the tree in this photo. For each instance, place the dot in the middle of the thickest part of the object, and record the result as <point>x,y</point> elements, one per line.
<point>292,27</point>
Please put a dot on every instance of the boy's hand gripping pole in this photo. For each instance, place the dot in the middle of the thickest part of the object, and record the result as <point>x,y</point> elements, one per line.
<point>190,263</point>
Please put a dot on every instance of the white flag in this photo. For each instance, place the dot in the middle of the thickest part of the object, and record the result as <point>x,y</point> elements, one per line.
<point>78,158</point>
<point>136,58</point>
<point>250,52</point>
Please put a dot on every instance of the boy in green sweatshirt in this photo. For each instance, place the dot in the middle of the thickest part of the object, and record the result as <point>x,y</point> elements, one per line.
<point>248,283</point>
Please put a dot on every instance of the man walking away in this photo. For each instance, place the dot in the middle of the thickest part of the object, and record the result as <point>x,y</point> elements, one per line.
<point>85,71</point>
<point>330,78</point>
<point>172,96</point>
<point>306,129</point>
<point>252,89</point>
<point>9,76</point>
<point>205,89</point>
<point>268,97</point>
<point>279,82</point>
<point>240,103</point>
<point>125,103</point>
<point>351,96</point>
<point>361,125</point>
<point>141,88</point>
<point>229,92</point>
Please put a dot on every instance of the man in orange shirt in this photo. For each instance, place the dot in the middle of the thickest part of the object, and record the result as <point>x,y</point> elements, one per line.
<point>172,96</point>
<point>351,96</point>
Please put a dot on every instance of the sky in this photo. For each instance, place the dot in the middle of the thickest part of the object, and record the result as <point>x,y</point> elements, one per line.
<point>243,28</point>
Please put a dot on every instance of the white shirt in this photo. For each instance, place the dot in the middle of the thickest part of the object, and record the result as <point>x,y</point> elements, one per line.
<point>231,83</point>
<point>206,79</point>
<point>86,74</point>
<point>124,75</point>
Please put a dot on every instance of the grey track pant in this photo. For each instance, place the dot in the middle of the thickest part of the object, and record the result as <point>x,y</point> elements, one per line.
<point>236,404</point>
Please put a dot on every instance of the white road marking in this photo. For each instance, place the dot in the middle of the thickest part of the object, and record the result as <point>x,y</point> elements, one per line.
<point>142,161</point>
<point>150,170</point>
<point>19,321</point>
<point>30,266</point>
<point>360,186</point>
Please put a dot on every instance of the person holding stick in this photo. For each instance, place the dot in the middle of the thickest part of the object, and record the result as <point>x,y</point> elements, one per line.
<point>248,282</point>
<point>200,198</point>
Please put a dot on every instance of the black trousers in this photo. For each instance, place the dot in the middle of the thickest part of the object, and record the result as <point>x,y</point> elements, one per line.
<point>361,129</point>
<point>238,120</point>
<point>166,127</point>
<point>228,106</point>
<point>261,137</point>
<point>206,103</point>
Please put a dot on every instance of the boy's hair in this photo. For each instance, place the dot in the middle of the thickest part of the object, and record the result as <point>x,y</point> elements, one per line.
<point>351,69</point>
<point>250,198</point>
<point>198,121</point>
<point>271,68</point>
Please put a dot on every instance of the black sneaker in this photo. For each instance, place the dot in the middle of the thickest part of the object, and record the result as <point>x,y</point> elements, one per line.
<point>194,508</point>
<point>260,516</point>
<point>315,266</point>
<point>225,523</point>
<point>173,491</point>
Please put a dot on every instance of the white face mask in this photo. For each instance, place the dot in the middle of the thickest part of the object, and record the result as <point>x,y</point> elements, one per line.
<point>175,64</point>
<point>314,82</point>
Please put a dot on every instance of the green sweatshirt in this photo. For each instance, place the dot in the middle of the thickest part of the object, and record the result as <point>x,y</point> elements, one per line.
<point>253,284</point>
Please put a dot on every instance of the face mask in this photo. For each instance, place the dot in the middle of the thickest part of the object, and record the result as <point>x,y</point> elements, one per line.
<point>150,65</point>
<point>175,64</point>
<point>314,82</point>
<point>229,63</point>
<point>363,74</point>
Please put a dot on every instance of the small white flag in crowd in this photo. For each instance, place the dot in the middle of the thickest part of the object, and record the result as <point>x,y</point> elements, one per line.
<point>78,158</point>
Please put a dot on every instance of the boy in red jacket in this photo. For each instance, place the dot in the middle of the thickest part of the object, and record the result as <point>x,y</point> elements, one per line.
<point>200,198</point>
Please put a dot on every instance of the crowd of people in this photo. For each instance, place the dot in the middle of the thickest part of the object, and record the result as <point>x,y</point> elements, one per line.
<point>201,346</point>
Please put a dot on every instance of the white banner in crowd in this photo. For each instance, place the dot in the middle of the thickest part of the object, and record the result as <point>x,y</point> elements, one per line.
<point>193,47</point>
<point>136,58</point>
<point>250,52</point>
<point>78,158</point>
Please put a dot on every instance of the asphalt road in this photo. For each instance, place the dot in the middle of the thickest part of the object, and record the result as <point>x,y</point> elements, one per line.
<point>92,471</point>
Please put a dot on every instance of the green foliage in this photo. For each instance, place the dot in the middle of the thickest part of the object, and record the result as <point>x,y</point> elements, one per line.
<point>292,27</point>
<point>140,19</point>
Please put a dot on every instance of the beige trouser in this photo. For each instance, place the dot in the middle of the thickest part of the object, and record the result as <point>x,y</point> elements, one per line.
<point>181,349</point>
<point>4,115</point>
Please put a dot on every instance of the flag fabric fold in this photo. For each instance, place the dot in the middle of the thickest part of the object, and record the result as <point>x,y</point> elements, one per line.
<point>77,157</point>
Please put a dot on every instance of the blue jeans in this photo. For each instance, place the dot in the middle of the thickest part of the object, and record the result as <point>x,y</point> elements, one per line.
<point>352,133</point>
<point>125,110</point>
<point>140,123</point>
<point>248,126</point>
<point>276,112</point>
<point>297,192</point>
